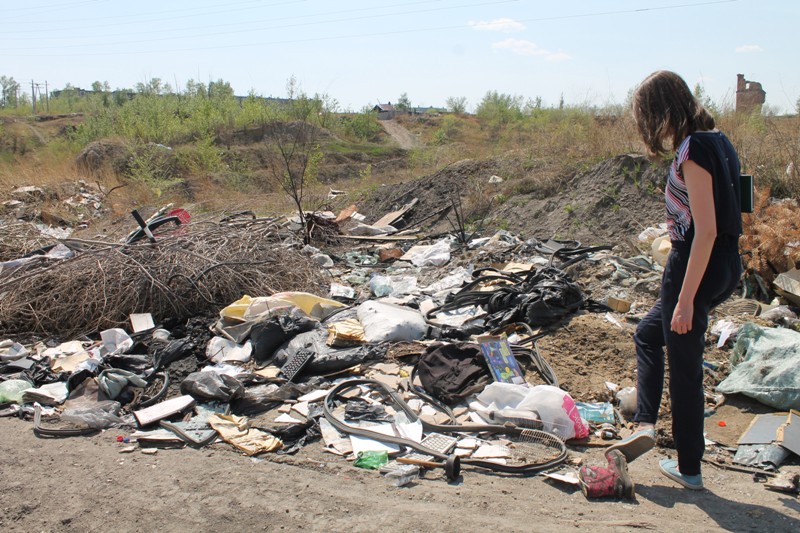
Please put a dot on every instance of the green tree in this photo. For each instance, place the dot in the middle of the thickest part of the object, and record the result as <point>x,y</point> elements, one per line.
<point>364,125</point>
<point>499,108</point>
<point>703,98</point>
<point>403,103</point>
<point>153,87</point>
<point>456,104</point>
<point>9,90</point>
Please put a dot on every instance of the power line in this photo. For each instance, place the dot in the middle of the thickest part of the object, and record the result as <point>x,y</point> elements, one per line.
<point>285,26</point>
<point>217,46</point>
<point>250,22</point>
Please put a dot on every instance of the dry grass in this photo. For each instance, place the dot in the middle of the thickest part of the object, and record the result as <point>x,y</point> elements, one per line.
<point>197,270</point>
<point>771,240</point>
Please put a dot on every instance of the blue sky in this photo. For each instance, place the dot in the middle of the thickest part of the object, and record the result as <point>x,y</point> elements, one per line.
<point>364,52</point>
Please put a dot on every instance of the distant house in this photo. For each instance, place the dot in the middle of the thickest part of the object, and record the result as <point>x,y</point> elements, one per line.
<point>385,111</point>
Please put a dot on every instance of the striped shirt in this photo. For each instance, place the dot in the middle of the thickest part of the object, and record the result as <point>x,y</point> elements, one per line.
<point>712,151</point>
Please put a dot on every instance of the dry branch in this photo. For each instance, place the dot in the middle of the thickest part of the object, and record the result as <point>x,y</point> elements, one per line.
<point>197,270</point>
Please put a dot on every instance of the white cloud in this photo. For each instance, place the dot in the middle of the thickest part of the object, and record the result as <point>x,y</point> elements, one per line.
<point>558,56</point>
<point>748,48</point>
<point>504,25</point>
<point>527,48</point>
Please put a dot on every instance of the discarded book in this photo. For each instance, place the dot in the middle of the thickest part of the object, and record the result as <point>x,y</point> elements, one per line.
<point>500,360</point>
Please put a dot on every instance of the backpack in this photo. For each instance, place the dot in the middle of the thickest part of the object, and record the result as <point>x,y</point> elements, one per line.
<point>452,372</point>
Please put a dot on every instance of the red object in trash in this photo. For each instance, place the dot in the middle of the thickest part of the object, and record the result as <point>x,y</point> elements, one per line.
<point>722,423</point>
<point>120,438</point>
<point>182,214</point>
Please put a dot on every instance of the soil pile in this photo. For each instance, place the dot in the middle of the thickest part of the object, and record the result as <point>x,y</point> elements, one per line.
<point>612,201</point>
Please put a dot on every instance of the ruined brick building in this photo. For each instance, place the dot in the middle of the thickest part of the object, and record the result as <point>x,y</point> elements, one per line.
<point>749,95</point>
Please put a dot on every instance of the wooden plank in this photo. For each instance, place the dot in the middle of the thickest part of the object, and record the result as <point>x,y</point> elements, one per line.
<point>390,218</point>
<point>380,237</point>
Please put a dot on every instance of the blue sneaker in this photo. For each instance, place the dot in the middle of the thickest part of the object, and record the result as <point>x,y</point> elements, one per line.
<point>669,467</point>
<point>640,442</point>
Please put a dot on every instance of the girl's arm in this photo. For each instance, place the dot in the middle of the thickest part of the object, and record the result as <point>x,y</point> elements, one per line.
<point>701,202</point>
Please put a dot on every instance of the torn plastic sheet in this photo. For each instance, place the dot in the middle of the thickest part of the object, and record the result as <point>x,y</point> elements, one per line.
<point>455,279</point>
<point>212,386</point>
<point>220,350</point>
<point>766,366</point>
<point>437,254</point>
<point>458,317</point>
<point>11,351</point>
<point>248,308</point>
<point>267,335</point>
<point>112,381</point>
<point>327,359</point>
<point>382,285</point>
<point>115,340</point>
<point>391,323</point>
<point>360,409</point>
<point>57,252</point>
<point>101,415</point>
<point>765,456</point>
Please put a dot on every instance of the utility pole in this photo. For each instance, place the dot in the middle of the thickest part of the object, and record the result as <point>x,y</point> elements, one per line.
<point>33,97</point>
<point>46,97</point>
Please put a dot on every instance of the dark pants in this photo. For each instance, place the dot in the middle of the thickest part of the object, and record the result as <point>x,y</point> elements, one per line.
<point>685,351</point>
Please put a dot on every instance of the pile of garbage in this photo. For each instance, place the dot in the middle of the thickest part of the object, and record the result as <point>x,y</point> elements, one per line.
<point>408,358</point>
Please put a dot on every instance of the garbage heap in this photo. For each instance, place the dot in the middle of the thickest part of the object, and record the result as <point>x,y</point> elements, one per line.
<point>417,355</point>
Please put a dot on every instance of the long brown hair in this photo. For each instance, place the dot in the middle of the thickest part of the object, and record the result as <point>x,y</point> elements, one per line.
<point>665,110</point>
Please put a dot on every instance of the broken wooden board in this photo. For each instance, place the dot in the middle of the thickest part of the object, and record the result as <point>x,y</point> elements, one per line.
<point>789,432</point>
<point>390,218</point>
<point>380,237</point>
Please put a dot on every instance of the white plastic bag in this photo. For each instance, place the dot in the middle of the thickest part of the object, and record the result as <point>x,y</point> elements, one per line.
<point>437,254</point>
<point>385,322</point>
<point>551,405</point>
<point>557,412</point>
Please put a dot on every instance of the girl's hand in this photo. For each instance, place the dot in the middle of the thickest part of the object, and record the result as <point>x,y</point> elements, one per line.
<point>682,318</point>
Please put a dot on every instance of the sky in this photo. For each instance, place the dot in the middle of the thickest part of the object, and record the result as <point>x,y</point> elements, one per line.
<point>364,52</point>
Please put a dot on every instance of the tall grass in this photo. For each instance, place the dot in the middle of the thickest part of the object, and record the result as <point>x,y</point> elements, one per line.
<point>205,126</point>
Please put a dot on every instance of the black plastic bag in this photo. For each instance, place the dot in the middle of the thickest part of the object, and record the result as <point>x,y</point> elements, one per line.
<point>173,351</point>
<point>267,336</point>
<point>327,359</point>
<point>212,386</point>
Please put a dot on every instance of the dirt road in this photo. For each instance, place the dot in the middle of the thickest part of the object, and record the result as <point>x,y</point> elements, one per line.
<point>404,138</point>
<point>85,484</point>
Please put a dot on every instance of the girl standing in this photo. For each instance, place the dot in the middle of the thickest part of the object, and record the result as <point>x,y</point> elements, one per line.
<point>703,269</point>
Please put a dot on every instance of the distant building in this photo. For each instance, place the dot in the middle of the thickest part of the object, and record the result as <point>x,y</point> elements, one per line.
<point>385,111</point>
<point>749,95</point>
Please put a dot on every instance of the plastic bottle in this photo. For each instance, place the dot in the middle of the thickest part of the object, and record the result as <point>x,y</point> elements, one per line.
<point>381,285</point>
<point>11,390</point>
<point>627,400</point>
<point>371,460</point>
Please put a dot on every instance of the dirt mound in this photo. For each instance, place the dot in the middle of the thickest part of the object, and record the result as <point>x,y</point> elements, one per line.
<point>612,201</point>
<point>434,192</point>
<point>587,352</point>
<point>98,155</point>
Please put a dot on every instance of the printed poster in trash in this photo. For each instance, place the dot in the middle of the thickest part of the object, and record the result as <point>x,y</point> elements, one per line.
<point>500,359</point>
